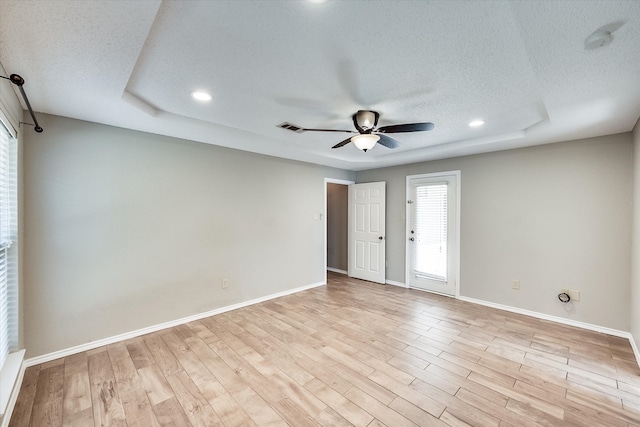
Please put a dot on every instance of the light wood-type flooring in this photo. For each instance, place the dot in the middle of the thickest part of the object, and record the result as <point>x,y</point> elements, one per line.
<point>350,353</point>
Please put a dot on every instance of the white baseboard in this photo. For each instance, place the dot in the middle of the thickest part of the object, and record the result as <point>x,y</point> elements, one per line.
<point>632,341</point>
<point>562,320</point>
<point>337,270</point>
<point>394,283</point>
<point>155,328</point>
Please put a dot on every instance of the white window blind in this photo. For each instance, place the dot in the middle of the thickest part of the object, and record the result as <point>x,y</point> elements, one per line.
<point>430,231</point>
<point>8,205</point>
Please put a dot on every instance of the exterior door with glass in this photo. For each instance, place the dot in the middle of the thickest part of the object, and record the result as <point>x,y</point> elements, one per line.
<point>432,232</point>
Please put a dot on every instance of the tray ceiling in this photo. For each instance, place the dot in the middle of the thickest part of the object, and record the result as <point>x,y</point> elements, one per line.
<point>519,66</point>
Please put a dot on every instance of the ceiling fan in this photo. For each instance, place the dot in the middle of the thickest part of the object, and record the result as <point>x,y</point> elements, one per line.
<point>368,134</point>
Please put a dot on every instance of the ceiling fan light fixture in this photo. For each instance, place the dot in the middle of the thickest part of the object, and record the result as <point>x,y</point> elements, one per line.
<point>365,141</point>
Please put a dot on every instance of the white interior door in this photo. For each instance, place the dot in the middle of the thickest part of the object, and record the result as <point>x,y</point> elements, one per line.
<point>367,231</point>
<point>432,233</point>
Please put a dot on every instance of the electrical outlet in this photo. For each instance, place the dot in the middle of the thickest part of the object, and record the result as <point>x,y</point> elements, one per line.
<point>575,295</point>
<point>225,283</point>
<point>515,285</point>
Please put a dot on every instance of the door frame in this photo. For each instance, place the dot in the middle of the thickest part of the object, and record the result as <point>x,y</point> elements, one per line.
<point>330,181</point>
<point>456,243</point>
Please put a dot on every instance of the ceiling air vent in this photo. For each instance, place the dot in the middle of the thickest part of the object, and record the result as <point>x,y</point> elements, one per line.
<point>291,127</point>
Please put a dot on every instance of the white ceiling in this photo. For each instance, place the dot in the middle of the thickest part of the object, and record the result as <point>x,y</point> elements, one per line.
<point>521,66</point>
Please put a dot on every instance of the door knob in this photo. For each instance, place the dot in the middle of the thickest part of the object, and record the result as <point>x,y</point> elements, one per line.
<point>380,238</point>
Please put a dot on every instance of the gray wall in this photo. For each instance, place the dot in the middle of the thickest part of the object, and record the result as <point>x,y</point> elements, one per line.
<point>337,225</point>
<point>126,229</point>
<point>553,216</point>
<point>635,255</point>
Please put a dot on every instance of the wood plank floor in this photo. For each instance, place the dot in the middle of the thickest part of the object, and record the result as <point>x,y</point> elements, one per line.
<point>350,353</point>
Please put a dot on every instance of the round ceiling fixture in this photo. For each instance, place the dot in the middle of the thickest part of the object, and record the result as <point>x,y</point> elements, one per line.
<point>600,38</point>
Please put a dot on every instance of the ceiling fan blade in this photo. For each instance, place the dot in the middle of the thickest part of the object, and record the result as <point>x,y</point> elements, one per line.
<point>387,141</point>
<point>342,143</point>
<point>325,130</point>
<point>408,127</point>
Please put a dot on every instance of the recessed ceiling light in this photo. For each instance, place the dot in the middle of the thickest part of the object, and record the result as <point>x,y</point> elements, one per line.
<point>319,1</point>
<point>476,123</point>
<point>201,95</point>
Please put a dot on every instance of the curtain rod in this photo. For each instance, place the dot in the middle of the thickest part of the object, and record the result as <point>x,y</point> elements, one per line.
<point>19,81</point>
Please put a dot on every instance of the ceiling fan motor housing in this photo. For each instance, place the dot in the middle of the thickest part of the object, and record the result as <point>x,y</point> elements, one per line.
<point>365,120</point>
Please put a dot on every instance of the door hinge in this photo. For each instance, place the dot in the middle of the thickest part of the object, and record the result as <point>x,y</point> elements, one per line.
<point>409,201</point>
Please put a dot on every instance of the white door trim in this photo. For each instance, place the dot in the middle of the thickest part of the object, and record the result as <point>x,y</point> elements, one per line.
<point>456,244</point>
<point>330,181</point>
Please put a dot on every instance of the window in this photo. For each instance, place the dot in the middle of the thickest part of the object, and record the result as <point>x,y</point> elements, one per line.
<point>8,231</point>
<point>430,229</point>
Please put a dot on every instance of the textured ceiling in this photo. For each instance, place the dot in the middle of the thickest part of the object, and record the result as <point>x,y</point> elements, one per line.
<point>521,66</point>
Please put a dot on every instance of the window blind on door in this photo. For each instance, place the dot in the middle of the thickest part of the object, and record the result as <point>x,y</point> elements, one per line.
<point>430,231</point>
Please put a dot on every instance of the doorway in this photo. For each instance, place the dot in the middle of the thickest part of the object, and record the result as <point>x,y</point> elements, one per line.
<point>354,229</point>
<point>336,217</point>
